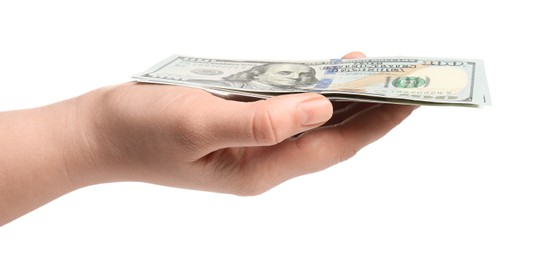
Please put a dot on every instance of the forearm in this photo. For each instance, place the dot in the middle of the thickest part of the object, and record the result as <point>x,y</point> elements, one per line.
<point>41,148</point>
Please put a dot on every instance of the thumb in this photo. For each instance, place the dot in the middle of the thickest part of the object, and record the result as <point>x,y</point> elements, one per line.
<point>265,122</point>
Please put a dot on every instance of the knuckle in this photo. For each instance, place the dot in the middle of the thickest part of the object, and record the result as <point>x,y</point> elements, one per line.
<point>251,183</point>
<point>265,128</point>
<point>190,139</point>
<point>249,191</point>
<point>347,154</point>
<point>349,150</point>
<point>250,187</point>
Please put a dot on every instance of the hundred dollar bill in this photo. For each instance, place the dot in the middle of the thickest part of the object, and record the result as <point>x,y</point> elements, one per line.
<point>401,80</point>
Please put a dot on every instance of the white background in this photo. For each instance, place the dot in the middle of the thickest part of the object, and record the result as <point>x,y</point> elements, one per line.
<point>449,183</point>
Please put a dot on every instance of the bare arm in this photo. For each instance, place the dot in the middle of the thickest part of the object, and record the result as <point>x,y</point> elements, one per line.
<point>37,149</point>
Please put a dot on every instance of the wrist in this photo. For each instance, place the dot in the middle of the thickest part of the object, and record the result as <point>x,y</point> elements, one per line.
<point>78,138</point>
<point>46,153</point>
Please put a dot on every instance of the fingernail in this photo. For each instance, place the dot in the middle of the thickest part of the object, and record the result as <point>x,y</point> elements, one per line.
<point>315,111</point>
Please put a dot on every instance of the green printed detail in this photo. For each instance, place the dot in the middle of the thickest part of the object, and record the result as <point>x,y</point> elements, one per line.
<point>409,82</point>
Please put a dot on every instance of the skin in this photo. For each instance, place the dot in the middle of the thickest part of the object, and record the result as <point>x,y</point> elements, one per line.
<point>179,137</point>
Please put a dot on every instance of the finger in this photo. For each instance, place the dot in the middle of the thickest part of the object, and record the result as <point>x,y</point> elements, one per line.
<point>354,55</point>
<point>340,115</point>
<point>267,122</point>
<point>343,110</point>
<point>324,147</point>
<point>346,107</point>
<point>371,124</point>
<point>264,122</point>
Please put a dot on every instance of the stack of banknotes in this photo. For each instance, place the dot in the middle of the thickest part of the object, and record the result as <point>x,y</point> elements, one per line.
<point>397,80</point>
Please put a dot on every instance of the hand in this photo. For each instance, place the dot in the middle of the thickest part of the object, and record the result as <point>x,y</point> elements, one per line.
<point>188,138</point>
<point>176,136</point>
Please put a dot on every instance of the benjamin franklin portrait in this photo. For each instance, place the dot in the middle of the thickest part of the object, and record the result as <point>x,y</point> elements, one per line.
<point>275,76</point>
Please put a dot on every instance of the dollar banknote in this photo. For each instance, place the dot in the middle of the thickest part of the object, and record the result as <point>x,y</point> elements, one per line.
<point>400,80</point>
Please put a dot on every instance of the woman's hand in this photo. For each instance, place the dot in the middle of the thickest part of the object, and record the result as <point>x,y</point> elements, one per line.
<point>178,136</point>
